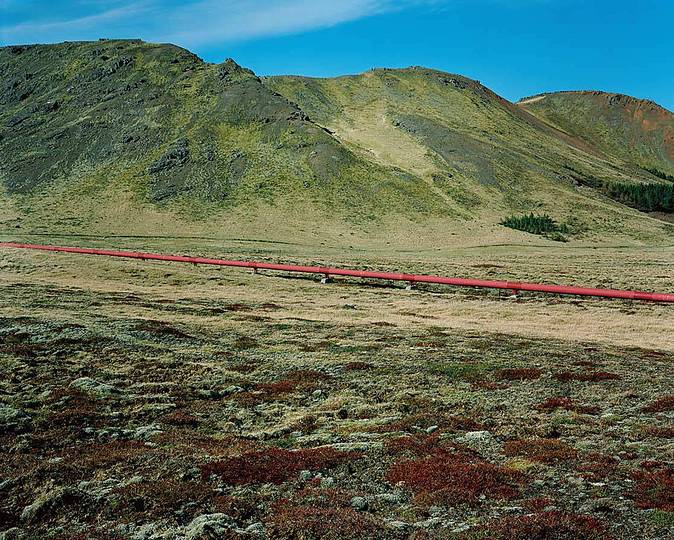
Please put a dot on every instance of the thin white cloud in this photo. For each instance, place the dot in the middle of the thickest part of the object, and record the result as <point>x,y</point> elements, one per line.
<point>196,22</point>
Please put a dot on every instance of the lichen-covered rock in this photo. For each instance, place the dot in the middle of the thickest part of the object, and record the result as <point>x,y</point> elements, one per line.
<point>49,502</point>
<point>175,156</point>
<point>12,419</point>
<point>208,526</point>
<point>93,387</point>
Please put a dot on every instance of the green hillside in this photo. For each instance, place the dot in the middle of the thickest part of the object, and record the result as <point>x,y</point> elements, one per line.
<point>126,137</point>
<point>486,155</point>
<point>638,131</point>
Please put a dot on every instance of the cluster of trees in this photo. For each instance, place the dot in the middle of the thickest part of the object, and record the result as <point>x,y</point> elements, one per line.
<point>644,197</point>
<point>534,224</point>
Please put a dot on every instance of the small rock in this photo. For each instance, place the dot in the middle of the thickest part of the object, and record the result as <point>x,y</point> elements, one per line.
<point>327,482</point>
<point>255,528</point>
<point>429,523</point>
<point>391,498</point>
<point>11,534</point>
<point>477,436</point>
<point>317,393</point>
<point>144,433</point>
<point>305,476</point>
<point>93,387</point>
<point>47,502</point>
<point>398,525</point>
<point>208,526</point>
<point>432,429</point>
<point>12,419</point>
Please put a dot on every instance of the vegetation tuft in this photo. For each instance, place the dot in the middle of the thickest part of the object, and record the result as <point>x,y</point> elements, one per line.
<point>554,403</point>
<point>552,525</point>
<point>518,374</point>
<point>300,522</point>
<point>542,450</point>
<point>594,376</point>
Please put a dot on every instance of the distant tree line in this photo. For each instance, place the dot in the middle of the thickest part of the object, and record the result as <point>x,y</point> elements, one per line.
<point>659,173</point>
<point>644,197</point>
<point>543,225</point>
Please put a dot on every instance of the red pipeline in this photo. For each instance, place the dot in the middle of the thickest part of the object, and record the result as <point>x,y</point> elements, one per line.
<point>325,271</point>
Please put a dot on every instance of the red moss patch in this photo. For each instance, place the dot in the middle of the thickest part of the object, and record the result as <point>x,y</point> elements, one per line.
<point>664,432</point>
<point>567,404</point>
<point>596,466</point>
<point>180,418</point>
<point>300,522</point>
<point>654,489</point>
<point>155,499</point>
<point>422,421</point>
<point>76,411</point>
<point>592,376</point>
<point>274,465</point>
<point>547,525</point>
<point>662,404</point>
<point>444,478</point>
<point>541,450</point>
<point>303,379</point>
<point>518,374</point>
<point>538,504</point>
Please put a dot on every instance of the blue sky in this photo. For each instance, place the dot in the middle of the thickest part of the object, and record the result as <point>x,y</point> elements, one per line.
<point>516,47</point>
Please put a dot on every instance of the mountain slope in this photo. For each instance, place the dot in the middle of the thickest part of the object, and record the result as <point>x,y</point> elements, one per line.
<point>638,131</point>
<point>126,137</point>
<point>486,154</point>
<point>156,120</point>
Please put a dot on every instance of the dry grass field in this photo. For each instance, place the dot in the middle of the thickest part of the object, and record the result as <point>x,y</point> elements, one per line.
<point>159,400</point>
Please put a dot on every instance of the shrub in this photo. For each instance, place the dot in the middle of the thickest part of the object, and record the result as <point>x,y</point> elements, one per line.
<point>546,525</point>
<point>541,450</point>
<point>662,404</point>
<point>274,465</point>
<point>534,224</point>
<point>518,374</point>
<point>538,504</point>
<point>302,379</point>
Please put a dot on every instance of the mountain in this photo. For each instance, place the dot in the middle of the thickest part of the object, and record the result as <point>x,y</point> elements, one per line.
<point>127,137</point>
<point>636,130</point>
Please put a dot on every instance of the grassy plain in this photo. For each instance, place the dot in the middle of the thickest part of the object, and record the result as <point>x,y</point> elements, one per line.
<point>146,395</point>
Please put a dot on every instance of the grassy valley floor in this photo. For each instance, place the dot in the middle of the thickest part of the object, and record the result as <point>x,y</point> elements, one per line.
<point>157,400</point>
